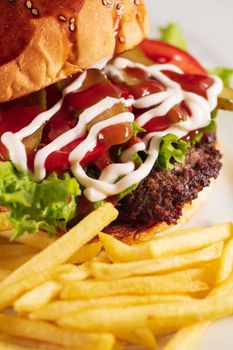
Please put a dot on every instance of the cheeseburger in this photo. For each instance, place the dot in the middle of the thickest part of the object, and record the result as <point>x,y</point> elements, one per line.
<point>92,111</point>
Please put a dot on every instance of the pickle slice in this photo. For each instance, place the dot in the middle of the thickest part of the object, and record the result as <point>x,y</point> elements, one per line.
<point>225,99</point>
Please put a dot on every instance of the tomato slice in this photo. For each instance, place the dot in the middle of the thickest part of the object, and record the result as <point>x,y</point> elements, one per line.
<point>161,52</point>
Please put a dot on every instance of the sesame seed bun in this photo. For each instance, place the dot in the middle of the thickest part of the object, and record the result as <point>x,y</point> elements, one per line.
<point>38,50</point>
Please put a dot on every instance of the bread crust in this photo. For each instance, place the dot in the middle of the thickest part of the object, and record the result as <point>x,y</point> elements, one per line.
<point>103,28</point>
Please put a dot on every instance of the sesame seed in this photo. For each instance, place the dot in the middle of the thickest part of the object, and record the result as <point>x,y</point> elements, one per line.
<point>72,20</point>
<point>121,39</point>
<point>35,12</point>
<point>107,3</point>
<point>72,27</point>
<point>62,18</point>
<point>118,6</point>
<point>137,2</point>
<point>28,4</point>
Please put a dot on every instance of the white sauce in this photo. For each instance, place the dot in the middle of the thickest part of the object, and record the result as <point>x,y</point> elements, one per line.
<point>116,178</point>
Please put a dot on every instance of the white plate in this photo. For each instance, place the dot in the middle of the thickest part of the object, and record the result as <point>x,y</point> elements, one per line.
<point>208,27</point>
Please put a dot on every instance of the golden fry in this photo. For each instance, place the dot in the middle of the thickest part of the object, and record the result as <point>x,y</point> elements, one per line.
<point>86,253</point>
<point>160,318</point>
<point>120,252</point>
<point>226,262</point>
<point>37,297</point>
<point>188,281</point>
<point>106,271</point>
<point>65,247</point>
<point>46,332</point>
<point>189,240</point>
<point>187,337</point>
<point>54,310</point>
<point>142,337</point>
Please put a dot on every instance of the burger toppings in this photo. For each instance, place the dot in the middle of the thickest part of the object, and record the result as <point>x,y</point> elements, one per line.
<point>109,130</point>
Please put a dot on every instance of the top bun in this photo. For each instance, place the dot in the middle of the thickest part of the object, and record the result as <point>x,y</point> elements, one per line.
<point>45,41</point>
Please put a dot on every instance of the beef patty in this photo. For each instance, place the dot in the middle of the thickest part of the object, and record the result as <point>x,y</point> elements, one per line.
<point>161,196</point>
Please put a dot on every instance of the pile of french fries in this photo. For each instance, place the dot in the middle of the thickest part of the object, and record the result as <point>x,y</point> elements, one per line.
<point>89,291</point>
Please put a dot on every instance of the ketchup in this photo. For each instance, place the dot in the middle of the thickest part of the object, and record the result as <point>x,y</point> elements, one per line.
<point>199,84</point>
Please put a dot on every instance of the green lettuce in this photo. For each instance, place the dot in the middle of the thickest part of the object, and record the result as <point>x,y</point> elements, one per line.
<point>226,74</point>
<point>173,34</point>
<point>48,205</point>
<point>171,149</point>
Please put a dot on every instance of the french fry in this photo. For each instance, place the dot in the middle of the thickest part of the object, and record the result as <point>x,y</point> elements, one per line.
<point>39,241</point>
<point>13,291</point>
<point>120,252</point>
<point>160,318</point>
<point>29,344</point>
<point>37,297</point>
<point>188,281</point>
<point>46,332</point>
<point>4,274</point>
<point>226,262</point>
<point>86,253</point>
<point>142,337</point>
<point>104,271</point>
<point>189,240</point>
<point>54,310</point>
<point>187,337</point>
<point>7,346</point>
<point>65,247</point>
<point>77,273</point>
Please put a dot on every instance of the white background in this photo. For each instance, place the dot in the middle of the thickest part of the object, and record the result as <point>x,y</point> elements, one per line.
<point>208,27</point>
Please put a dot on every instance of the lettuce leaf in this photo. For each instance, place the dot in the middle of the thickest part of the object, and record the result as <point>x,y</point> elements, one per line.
<point>173,34</point>
<point>48,205</point>
<point>226,74</point>
<point>171,149</point>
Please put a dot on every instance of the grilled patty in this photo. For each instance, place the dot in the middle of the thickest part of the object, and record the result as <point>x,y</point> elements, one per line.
<point>162,195</point>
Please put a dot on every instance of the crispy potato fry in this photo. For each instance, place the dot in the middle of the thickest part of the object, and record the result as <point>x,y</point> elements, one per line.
<point>65,247</point>
<point>186,337</point>
<point>120,252</point>
<point>86,253</point>
<point>7,346</point>
<point>30,344</point>
<point>188,281</point>
<point>195,331</point>
<point>104,271</point>
<point>189,240</point>
<point>142,337</point>
<point>226,262</point>
<point>160,318</point>
<point>37,297</point>
<point>4,274</point>
<point>54,310</point>
<point>13,291</point>
<point>46,332</point>
<point>77,273</point>
<point>39,241</point>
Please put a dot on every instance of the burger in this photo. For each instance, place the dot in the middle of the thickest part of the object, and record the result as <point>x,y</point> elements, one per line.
<point>93,111</point>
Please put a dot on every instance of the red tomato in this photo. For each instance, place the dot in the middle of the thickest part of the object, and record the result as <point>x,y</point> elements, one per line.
<point>161,52</point>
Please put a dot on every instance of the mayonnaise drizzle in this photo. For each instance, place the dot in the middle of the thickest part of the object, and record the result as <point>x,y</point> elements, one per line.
<point>116,178</point>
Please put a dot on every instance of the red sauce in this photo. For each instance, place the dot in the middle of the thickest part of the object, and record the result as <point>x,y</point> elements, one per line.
<point>142,89</point>
<point>199,84</point>
<point>17,27</point>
